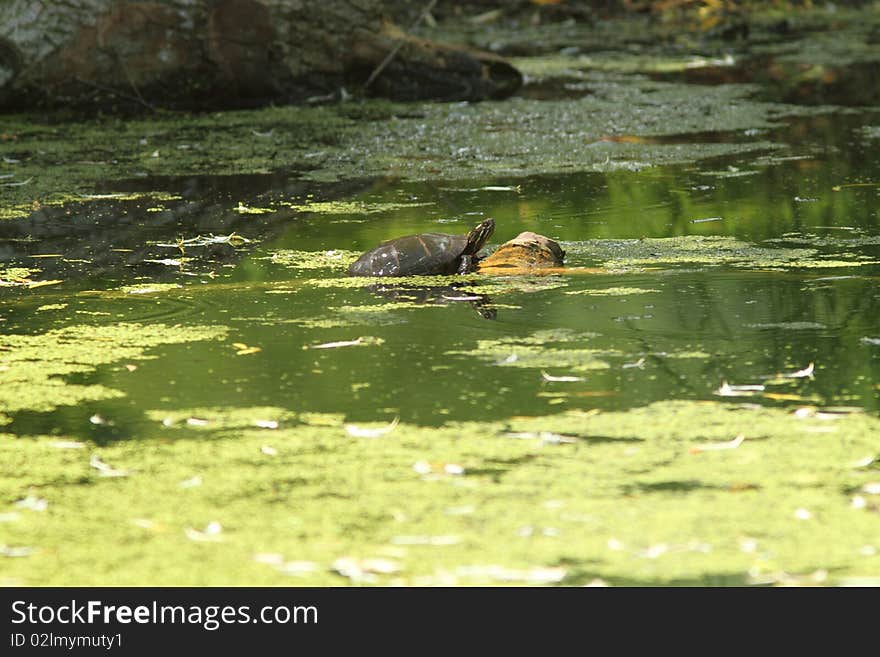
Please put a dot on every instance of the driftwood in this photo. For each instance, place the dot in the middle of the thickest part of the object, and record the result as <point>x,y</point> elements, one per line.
<point>228,53</point>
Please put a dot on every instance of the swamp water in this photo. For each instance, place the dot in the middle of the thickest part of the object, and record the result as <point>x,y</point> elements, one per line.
<point>194,392</point>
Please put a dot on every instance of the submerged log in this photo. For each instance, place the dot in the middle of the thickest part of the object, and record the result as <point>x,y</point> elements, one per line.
<point>524,254</point>
<point>210,54</point>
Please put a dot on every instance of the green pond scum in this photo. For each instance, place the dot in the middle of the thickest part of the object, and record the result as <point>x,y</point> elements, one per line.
<point>194,392</point>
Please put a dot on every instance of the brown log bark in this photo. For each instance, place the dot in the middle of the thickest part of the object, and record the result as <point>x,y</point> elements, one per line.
<point>227,53</point>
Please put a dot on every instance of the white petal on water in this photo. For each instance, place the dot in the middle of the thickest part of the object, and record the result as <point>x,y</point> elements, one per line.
<point>210,534</point>
<point>67,444</point>
<point>748,545</point>
<point>802,514</point>
<point>270,558</point>
<point>266,424</point>
<point>526,531</point>
<point>863,462</point>
<point>104,469</point>
<point>616,545</point>
<point>453,469</point>
<point>867,550</point>
<point>143,523</point>
<point>97,419</point>
<point>548,377</point>
<point>872,488</point>
<point>11,516</point>
<point>858,502</point>
<point>268,450</point>
<point>32,503</point>
<point>422,467</point>
<point>367,432</point>
<point>654,551</point>
<point>191,483</point>
<point>10,551</point>
<point>196,422</point>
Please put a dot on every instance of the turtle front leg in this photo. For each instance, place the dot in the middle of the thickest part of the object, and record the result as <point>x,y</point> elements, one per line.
<point>466,265</point>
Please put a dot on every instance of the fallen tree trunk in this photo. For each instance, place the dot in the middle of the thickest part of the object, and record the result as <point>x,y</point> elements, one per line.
<point>205,54</point>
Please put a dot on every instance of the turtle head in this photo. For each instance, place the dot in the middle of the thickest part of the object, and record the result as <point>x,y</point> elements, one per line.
<point>478,236</point>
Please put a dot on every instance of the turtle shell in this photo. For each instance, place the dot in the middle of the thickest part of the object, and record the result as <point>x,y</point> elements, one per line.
<point>413,255</point>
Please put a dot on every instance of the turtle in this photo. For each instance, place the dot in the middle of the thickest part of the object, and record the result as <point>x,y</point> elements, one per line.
<point>424,254</point>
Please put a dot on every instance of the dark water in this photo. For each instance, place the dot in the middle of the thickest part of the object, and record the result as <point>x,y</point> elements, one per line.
<point>744,323</point>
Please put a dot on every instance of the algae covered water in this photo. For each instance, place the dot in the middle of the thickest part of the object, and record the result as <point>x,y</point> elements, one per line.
<point>194,389</point>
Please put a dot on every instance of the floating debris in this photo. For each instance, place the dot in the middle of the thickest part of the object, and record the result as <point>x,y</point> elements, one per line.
<point>727,390</point>
<point>365,432</point>
<point>548,377</point>
<point>67,444</point>
<point>640,363</point>
<point>266,424</point>
<point>864,462</point>
<point>437,469</point>
<point>710,447</point>
<point>807,372</point>
<point>32,503</point>
<point>268,450</point>
<point>210,534</point>
<point>803,514</point>
<point>364,570</point>
<point>144,523</point>
<point>269,558</point>
<point>244,209</point>
<point>364,340</point>
<point>706,220</point>
<point>194,422</point>
<point>169,262</point>
<point>104,469</point>
<point>244,350</point>
<point>9,551</point>
<point>544,436</point>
